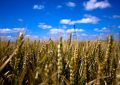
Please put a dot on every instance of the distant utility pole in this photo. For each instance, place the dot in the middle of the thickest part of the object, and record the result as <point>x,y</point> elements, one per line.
<point>74,33</point>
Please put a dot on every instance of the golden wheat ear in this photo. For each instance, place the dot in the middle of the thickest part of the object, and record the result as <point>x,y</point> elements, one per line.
<point>14,53</point>
<point>59,61</point>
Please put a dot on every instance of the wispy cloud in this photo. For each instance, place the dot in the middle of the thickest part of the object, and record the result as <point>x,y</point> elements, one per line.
<point>38,7</point>
<point>20,19</point>
<point>55,31</point>
<point>118,26</point>
<point>63,31</point>
<point>13,30</point>
<point>33,37</point>
<point>94,4</point>
<point>59,6</point>
<point>86,19</point>
<point>8,37</point>
<point>104,29</point>
<point>44,26</point>
<point>84,34</point>
<point>116,16</point>
<point>70,4</point>
<point>5,30</point>
<point>74,30</point>
<point>66,21</point>
<point>64,26</point>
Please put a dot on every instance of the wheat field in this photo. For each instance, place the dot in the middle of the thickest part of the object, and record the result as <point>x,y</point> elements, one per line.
<point>63,62</point>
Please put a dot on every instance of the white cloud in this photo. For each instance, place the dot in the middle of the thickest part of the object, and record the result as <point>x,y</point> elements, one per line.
<point>113,17</point>
<point>86,19</point>
<point>20,20</point>
<point>59,6</point>
<point>39,7</point>
<point>97,30</point>
<point>94,4</point>
<point>55,31</point>
<point>18,29</point>
<point>33,37</point>
<point>64,26</point>
<point>5,30</point>
<point>27,35</point>
<point>70,4</point>
<point>84,34</point>
<point>66,21</point>
<point>7,37</point>
<point>116,16</point>
<point>44,26</point>
<point>118,26</point>
<point>74,30</point>
<point>13,30</point>
<point>104,29</point>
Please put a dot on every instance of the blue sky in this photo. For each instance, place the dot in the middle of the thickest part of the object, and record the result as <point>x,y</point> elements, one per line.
<point>42,19</point>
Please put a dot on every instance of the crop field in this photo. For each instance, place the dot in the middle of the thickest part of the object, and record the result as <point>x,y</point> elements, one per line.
<point>63,62</point>
<point>59,42</point>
